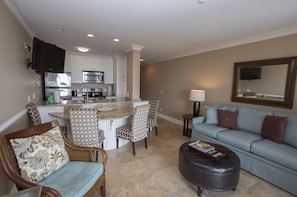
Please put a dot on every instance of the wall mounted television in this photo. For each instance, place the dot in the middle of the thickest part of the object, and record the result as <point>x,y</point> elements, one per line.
<point>250,73</point>
<point>47,57</point>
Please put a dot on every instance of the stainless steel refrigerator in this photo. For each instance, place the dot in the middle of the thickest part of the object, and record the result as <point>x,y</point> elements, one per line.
<point>57,81</point>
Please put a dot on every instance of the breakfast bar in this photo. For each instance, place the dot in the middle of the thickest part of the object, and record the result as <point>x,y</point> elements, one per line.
<point>112,113</point>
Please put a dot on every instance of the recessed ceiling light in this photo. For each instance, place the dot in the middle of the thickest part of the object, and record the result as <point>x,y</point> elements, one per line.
<point>116,40</point>
<point>59,29</point>
<point>83,49</point>
<point>200,1</point>
<point>90,35</point>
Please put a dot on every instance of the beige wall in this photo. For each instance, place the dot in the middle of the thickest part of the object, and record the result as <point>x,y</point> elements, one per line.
<point>17,82</point>
<point>212,71</point>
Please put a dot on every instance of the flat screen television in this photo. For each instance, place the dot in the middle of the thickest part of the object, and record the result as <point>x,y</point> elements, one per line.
<point>47,57</point>
<point>250,73</point>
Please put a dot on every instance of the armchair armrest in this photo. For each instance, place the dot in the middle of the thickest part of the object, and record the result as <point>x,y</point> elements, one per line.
<point>199,119</point>
<point>90,154</point>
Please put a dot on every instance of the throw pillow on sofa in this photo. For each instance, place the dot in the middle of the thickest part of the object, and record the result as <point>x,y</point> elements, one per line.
<point>212,115</point>
<point>227,119</point>
<point>39,156</point>
<point>273,128</point>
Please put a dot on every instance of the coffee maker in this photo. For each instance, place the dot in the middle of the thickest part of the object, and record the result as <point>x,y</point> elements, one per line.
<point>109,91</point>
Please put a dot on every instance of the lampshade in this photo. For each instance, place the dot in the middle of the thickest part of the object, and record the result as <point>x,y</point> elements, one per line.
<point>197,95</point>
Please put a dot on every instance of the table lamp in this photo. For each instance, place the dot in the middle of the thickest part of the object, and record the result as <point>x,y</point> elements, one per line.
<point>197,96</point>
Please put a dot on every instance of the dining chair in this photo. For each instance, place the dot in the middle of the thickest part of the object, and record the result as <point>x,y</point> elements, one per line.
<point>33,113</point>
<point>84,127</point>
<point>152,121</point>
<point>35,118</point>
<point>137,130</point>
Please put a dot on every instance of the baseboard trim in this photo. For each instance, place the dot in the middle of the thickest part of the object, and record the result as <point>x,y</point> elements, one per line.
<point>176,121</point>
<point>12,120</point>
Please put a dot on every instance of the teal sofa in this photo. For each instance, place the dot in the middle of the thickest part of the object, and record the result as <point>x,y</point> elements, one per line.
<point>275,162</point>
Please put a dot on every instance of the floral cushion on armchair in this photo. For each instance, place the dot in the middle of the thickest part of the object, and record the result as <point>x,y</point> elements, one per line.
<point>39,156</point>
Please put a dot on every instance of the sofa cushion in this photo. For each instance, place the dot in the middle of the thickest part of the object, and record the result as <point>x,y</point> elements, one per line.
<point>273,128</point>
<point>39,156</point>
<point>211,114</point>
<point>75,179</point>
<point>279,153</point>
<point>199,119</point>
<point>238,138</point>
<point>208,129</point>
<point>225,107</point>
<point>251,119</point>
<point>290,135</point>
<point>227,119</point>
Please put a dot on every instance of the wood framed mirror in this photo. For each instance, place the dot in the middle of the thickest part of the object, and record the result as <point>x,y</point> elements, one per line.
<point>268,82</point>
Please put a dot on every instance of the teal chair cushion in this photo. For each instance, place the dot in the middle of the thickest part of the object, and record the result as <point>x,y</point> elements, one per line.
<point>74,179</point>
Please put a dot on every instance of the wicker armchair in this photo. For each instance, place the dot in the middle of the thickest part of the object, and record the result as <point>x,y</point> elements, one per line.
<point>152,121</point>
<point>137,130</point>
<point>75,153</point>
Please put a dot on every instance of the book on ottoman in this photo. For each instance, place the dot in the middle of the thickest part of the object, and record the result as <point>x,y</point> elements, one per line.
<point>202,146</point>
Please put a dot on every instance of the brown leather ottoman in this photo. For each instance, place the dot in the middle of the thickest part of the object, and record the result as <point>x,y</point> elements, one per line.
<point>207,173</point>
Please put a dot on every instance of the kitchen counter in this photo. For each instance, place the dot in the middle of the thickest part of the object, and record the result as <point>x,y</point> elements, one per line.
<point>96,101</point>
<point>112,113</point>
<point>102,115</point>
<point>107,108</point>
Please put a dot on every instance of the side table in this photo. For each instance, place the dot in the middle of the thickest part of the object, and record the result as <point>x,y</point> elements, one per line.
<point>187,118</point>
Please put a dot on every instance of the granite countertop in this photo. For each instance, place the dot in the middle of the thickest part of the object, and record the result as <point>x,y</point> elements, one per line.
<point>91,102</point>
<point>102,115</point>
<point>108,109</point>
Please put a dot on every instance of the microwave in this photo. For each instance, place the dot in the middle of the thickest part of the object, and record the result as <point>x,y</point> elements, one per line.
<point>92,77</point>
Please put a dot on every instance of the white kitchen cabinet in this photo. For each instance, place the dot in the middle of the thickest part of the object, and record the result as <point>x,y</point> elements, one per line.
<point>73,64</point>
<point>76,69</point>
<point>67,63</point>
<point>92,63</point>
<point>76,63</point>
<point>120,75</point>
<point>108,70</point>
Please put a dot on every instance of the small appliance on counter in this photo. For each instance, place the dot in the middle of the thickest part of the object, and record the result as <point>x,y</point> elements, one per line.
<point>57,83</point>
<point>109,91</point>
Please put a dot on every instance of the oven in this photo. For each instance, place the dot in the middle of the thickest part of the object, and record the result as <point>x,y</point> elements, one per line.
<point>92,93</point>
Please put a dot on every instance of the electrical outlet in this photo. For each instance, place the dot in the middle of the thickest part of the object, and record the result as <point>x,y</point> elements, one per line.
<point>161,109</point>
<point>161,91</point>
<point>29,98</point>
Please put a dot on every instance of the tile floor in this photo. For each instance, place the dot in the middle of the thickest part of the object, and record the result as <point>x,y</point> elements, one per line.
<point>153,172</point>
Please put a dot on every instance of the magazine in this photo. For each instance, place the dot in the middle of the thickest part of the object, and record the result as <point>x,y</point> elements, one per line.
<point>202,146</point>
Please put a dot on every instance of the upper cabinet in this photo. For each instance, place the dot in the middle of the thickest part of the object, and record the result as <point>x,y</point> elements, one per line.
<point>76,63</point>
<point>73,64</point>
<point>67,63</point>
<point>108,70</point>
<point>92,63</point>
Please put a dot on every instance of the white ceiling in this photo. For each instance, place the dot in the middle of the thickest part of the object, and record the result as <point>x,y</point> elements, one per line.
<point>166,28</point>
